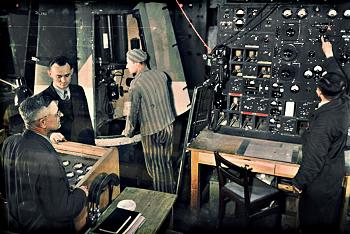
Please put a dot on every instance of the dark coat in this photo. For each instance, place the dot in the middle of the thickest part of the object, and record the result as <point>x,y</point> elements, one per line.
<point>37,190</point>
<point>323,164</point>
<point>76,122</point>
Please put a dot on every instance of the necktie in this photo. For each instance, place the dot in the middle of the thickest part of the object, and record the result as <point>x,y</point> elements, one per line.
<point>65,95</point>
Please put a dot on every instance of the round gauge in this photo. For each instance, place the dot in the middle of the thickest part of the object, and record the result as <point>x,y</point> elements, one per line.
<point>295,88</point>
<point>288,52</point>
<point>332,13</point>
<point>302,13</point>
<point>78,165</point>
<point>318,69</point>
<point>308,74</point>
<point>290,32</point>
<point>65,163</point>
<point>287,13</point>
<point>239,23</point>
<point>240,13</point>
<point>346,13</point>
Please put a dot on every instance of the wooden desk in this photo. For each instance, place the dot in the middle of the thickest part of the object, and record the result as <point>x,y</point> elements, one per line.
<point>107,160</point>
<point>263,156</point>
<point>154,206</point>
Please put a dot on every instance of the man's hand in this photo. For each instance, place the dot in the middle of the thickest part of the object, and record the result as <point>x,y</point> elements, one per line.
<point>85,189</point>
<point>123,132</point>
<point>296,190</point>
<point>56,137</point>
<point>327,48</point>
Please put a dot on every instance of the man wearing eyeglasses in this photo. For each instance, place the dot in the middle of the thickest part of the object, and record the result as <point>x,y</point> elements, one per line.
<point>37,190</point>
<point>76,121</point>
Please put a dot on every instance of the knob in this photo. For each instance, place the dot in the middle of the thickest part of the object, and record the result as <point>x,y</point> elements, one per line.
<point>290,32</point>
<point>312,54</point>
<point>302,13</point>
<point>332,13</point>
<point>240,13</point>
<point>285,74</point>
<point>288,53</point>
<point>308,74</point>
<point>287,13</point>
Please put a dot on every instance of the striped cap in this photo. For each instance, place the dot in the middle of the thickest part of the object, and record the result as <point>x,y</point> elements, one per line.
<point>136,55</point>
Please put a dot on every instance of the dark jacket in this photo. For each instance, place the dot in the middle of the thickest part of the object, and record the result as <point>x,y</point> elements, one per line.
<point>37,190</point>
<point>76,122</point>
<point>323,164</point>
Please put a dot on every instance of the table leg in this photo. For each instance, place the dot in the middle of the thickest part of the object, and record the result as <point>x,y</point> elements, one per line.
<point>195,196</point>
<point>346,203</point>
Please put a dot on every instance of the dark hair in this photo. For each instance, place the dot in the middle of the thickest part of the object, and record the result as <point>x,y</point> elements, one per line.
<point>332,85</point>
<point>61,61</point>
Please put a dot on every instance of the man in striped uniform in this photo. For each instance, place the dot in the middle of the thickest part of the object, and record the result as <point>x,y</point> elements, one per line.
<point>151,109</point>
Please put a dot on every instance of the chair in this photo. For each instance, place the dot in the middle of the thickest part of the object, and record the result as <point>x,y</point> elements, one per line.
<point>255,198</point>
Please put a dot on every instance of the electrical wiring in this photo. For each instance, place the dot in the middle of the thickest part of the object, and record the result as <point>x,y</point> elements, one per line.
<point>180,5</point>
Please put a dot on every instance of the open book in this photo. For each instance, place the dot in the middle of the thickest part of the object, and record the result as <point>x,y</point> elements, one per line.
<point>121,221</point>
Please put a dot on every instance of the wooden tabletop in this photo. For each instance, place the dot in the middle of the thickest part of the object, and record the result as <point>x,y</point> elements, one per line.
<point>264,149</point>
<point>154,206</point>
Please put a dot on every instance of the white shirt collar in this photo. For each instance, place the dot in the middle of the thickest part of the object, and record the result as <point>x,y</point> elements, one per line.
<point>60,92</point>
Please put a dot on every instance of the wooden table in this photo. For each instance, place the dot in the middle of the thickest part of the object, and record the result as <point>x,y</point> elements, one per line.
<point>263,156</point>
<point>154,206</point>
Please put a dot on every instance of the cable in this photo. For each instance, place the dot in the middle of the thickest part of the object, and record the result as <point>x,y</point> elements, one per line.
<point>192,26</point>
<point>8,83</point>
<point>228,40</point>
<point>247,24</point>
<point>267,15</point>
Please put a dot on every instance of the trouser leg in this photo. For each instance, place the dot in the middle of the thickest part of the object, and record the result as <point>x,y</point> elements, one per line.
<point>158,151</point>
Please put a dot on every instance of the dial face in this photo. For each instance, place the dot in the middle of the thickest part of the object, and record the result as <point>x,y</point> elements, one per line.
<point>287,13</point>
<point>347,13</point>
<point>332,13</point>
<point>318,69</point>
<point>239,23</point>
<point>294,88</point>
<point>240,13</point>
<point>308,74</point>
<point>302,13</point>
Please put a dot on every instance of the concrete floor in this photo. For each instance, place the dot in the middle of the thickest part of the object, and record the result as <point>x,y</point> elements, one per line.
<point>185,221</point>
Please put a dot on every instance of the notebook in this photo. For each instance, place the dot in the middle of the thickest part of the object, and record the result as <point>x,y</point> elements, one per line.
<point>121,221</point>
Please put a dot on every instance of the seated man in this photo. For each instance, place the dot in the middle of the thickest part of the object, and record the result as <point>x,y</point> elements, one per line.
<point>37,190</point>
<point>76,122</point>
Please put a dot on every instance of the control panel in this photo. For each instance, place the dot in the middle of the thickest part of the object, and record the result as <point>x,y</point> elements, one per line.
<point>267,62</point>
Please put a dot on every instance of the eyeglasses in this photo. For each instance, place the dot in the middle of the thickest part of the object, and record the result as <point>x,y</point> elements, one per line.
<point>58,114</point>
